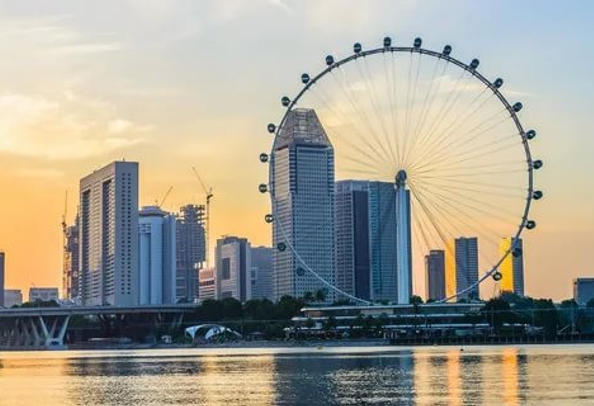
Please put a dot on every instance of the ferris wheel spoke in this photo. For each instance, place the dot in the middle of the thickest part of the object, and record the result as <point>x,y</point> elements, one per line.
<point>486,189</point>
<point>393,107</point>
<point>428,101</point>
<point>372,153</point>
<point>362,114</point>
<point>374,98</point>
<point>479,206</point>
<point>455,222</point>
<point>448,105</point>
<point>409,133</point>
<point>394,94</point>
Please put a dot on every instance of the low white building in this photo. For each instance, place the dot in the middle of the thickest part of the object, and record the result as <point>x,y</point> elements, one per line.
<point>12,297</point>
<point>43,294</point>
<point>157,261</point>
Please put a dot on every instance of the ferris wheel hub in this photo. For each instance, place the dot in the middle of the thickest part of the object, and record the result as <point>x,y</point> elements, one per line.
<point>401,178</point>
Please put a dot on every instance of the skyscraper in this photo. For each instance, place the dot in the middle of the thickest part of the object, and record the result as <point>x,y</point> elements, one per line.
<point>435,275</point>
<point>191,251</point>
<point>234,269</point>
<point>70,282</point>
<point>382,231</point>
<point>2,259</point>
<point>156,240</point>
<point>353,265</point>
<point>512,267</point>
<point>462,267</point>
<point>108,235</point>
<point>403,240</point>
<point>583,290</point>
<point>262,273</point>
<point>303,181</point>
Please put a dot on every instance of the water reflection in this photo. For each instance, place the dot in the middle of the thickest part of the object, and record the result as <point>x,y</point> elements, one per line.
<point>425,376</point>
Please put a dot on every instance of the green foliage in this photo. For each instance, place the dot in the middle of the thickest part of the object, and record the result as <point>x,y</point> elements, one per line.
<point>416,300</point>
<point>497,311</point>
<point>41,303</point>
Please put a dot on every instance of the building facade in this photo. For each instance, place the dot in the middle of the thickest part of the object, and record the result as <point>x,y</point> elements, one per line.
<point>108,236</point>
<point>403,240</point>
<point>157,256</point>
<point>583,290</point>
<point>43,294</point>
<point>207,287</point>
<point>435,275</point>
<point>233,268</point>
<point>2,269</point>
<point>12,297</point>
<point>191,251</point>
<point>512,267</point>
<point>382,230</point>
<point>353,260</point>
<point>261,258</point>
<point>70,280</point>
<point>302,176</point>
<point>462,268</point>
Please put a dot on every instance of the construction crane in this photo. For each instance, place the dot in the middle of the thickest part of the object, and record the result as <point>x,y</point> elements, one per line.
<point>165,196</point>
<point>65,212</point>
<point>208,193</point>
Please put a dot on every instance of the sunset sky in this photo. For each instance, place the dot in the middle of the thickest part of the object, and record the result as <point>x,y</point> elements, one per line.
<point>193,83</point>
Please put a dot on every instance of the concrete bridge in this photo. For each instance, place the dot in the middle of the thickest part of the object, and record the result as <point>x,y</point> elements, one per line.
<point>46,327</point>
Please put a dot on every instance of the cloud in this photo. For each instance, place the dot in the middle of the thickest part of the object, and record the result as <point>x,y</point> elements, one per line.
<point>65,126</point>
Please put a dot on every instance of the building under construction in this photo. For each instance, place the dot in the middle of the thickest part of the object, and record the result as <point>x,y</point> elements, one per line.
<point>190,251</point>
<point>70,280</point>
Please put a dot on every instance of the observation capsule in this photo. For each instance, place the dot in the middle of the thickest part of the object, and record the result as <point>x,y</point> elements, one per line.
<point>530,224</point>
<point>387,42</point>
<point>530,134</point>
<point>269,218</point>
<point>417,43</point>
<point>357,48</point>
<point>497,276</point>
<point>263,157</point>
<point>285,101</point>
<point>447,50</point>
<point>271,128</point>
<point>537,195</point>
<point>474,64</point>
<point>517,252</point>
<point>329,60</point>
<point>281,246</point>
<point>263,188</point>
<point>498,83</point>
<point>517,107</point>
<point>300,271</point>
<point>537,164</point>
<point>305,78</point>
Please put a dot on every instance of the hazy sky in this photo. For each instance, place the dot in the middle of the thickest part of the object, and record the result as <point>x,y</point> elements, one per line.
<point>194,83</point>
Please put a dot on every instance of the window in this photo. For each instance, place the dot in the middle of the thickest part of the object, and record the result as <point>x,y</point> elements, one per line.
<point>226,271</point>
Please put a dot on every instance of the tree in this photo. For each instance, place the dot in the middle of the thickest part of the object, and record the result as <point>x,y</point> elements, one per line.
<point>497,311</point>
<point>321,295</point>
<point>308,297</point>
<point>232,309</point>
<point>416,300</point>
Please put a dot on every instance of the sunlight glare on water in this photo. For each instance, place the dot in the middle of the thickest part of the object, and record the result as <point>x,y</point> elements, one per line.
<point>537,375</point>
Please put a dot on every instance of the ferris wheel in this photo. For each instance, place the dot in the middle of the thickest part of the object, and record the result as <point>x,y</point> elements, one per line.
<point>418,131</point>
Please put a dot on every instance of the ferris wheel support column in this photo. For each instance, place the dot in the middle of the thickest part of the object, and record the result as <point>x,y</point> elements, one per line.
<point>403,240</point>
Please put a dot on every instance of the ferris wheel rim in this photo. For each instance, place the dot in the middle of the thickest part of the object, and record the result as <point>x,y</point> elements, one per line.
<point>440,56</point>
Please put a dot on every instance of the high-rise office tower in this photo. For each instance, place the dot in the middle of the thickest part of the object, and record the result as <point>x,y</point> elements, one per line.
<point>2,259</point>
<point>435,275</point>
<point>462,268</point>
<point>108,235</point>
<point>207,286</point>
<point>403,240</point>
<point>303,181</point>
<point>70,282</point>
<point>382,231</point>
<point>191,251</point>
<point>157,266</point>
<point>234,269</point>
<point>262,273</point>
<point>353,265</point>
<point>512,267</point>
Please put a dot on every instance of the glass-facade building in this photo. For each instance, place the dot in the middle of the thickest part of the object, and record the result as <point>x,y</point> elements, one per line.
<point>302,178</point>
<point>462,268</point>
<point>435,275</point>
<point>512,267</point>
